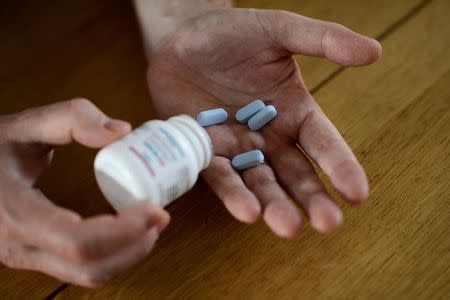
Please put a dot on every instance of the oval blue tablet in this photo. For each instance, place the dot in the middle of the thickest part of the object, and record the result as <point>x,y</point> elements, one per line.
<point>212,117</point>
<point>248,111</point>
<point>263,117</point>
<point>247,160</point>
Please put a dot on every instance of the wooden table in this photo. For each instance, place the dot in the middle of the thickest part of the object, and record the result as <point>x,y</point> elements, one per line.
<point>395,115</point>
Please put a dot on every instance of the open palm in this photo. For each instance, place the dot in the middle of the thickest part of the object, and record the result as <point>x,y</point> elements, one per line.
<point>228,58</point>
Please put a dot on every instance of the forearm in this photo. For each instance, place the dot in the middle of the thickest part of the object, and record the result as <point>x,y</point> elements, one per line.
<point>158,18</point>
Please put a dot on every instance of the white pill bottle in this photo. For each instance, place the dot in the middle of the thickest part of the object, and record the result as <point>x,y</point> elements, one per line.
<point>158,162</point>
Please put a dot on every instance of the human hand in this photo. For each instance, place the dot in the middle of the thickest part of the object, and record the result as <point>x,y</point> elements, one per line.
<point>227,58</point>
<point>37,235</point>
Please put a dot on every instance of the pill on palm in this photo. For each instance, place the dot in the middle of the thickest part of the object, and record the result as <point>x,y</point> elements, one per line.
<point>212,117</point>
<point>263,117</point>
<point>248,159</point>
<point>245,113</point>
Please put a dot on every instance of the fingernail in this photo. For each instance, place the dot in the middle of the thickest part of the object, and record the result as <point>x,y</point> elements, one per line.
<point>117,125</point>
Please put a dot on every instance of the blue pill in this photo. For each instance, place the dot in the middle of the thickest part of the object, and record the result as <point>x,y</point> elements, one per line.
<point>212,117</point>
<point>248,111</point>
<point>248,159</point>
<point>263,117</point>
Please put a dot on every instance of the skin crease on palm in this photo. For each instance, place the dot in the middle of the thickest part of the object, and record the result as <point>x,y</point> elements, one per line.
<point>227,58</point>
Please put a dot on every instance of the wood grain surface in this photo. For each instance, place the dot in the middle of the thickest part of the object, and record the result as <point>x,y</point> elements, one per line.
<point>395,115</point>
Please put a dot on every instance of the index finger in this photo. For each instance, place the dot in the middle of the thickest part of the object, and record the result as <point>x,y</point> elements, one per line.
<point>60,123</point>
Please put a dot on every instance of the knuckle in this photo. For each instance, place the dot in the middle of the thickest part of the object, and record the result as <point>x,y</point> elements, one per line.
<point>280,21</point>
<point>9,258</point>
<point>11,125</point>
<point>222,169</point>
<point>80,104</point>
<point>282,13</point>
<point>336,26</point>
<point>309,185</point>
<point>271,15</point>
<point>84,112</point>
<point>79,107</point>
<point>79,251</point>
<point>5,231</point>
<point>248,140</point>
<point>9,262</point>
<point>263,180</point>
<point>327,143</point>
<point>260,176</point>
<point>6,228</point>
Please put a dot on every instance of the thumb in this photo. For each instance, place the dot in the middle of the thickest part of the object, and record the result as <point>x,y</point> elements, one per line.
<point>302,35</point>
<point>62,123</point>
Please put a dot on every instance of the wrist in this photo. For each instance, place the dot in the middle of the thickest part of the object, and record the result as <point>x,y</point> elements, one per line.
<point>160,18</point>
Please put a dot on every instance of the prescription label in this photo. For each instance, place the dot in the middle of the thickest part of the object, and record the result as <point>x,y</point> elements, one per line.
<point>164,159</point>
